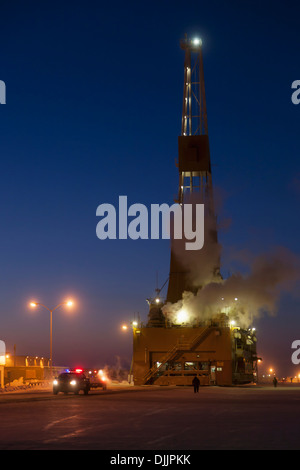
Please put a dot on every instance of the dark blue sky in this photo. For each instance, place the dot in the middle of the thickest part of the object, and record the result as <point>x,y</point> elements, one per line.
<point>94,96</point>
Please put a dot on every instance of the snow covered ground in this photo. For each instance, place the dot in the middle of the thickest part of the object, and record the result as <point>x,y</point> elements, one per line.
<point>46,385</point>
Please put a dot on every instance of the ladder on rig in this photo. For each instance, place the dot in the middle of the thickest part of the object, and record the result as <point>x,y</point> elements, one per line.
<point>179,347</point>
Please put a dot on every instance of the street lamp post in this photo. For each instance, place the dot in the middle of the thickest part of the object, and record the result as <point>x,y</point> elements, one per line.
<point>134,325</point>
<point>69,303</point>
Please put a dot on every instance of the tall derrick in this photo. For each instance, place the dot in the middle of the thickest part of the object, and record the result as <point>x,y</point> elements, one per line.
<point>190,334</point>
<point>190,270</point>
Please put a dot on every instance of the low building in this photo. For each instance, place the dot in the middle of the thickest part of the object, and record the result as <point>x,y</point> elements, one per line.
<point>28,369</point>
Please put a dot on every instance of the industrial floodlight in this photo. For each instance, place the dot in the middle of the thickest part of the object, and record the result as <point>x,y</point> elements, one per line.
<point>197,42</point>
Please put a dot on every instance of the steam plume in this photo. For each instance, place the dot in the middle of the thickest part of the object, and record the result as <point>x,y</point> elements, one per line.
<point>244,297</point>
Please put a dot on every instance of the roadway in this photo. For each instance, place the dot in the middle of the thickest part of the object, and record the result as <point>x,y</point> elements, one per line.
<point>153,418</point>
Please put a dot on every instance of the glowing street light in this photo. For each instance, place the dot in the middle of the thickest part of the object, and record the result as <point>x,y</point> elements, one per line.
<point>69,303</point>
<point>134,324</point>
<point>271,371</point>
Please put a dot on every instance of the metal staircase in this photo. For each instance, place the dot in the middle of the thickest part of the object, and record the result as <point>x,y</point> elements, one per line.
<point>179,348</point>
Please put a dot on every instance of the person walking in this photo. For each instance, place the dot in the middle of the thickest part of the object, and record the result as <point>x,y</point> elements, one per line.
<point>196,384</point>
<point>275,381</point>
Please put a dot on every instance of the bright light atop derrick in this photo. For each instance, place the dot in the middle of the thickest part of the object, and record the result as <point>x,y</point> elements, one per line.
<point>197,42</point>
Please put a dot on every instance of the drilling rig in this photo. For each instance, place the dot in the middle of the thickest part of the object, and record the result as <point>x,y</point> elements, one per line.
<point>172,349</point>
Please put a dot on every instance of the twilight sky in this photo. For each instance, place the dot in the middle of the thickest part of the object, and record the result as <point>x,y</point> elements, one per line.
<point>94,101</point>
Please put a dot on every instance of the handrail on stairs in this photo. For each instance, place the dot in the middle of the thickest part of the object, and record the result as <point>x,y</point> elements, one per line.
<point>179,346</point>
